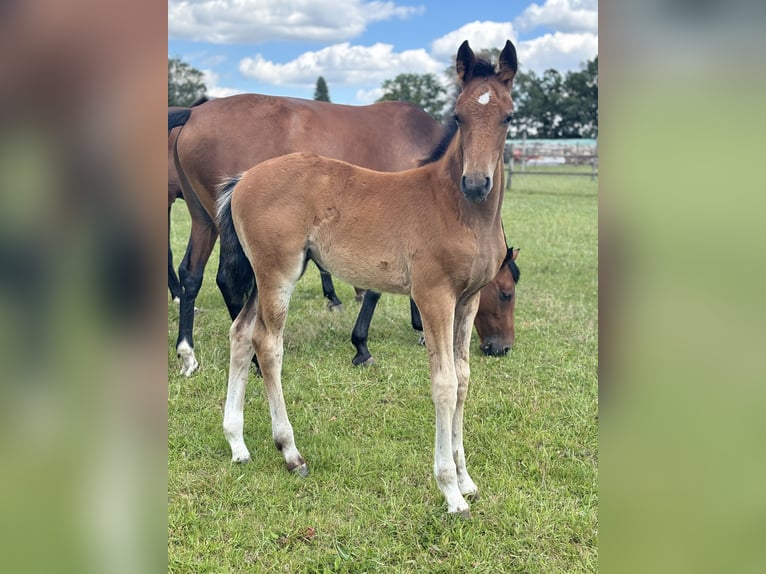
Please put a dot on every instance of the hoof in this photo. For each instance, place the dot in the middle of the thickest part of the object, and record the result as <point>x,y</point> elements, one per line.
<point>421,338</point>
<point>177,300</point>
<point>189,362</point>
<point>241,459</point>
<point>335,306</point>
<point>368,362</point>
<point>301,470</point>
<point>464,514</point>
<point>471,496</point>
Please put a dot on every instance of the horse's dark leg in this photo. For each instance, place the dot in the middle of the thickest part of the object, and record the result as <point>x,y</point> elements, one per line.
<point>173,284</point>
<point>362,329</point>
<point>417,322</point>
<point>203,236</point>
<point>328,289</point>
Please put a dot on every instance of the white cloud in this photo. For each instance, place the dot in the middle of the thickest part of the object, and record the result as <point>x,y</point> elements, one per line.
<point>563,52</point>
<point>213,89</point>
<point>480,36</point>
<point>561,15</point>
<point>257,21</point>
<point>342,64</point>
<point>368,96</point>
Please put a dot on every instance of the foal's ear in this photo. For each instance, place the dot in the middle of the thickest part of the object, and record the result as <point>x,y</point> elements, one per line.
<point>464,63</point>
<point>508,64</point>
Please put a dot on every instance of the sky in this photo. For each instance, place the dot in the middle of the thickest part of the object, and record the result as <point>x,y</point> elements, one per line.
<point>281,47</point>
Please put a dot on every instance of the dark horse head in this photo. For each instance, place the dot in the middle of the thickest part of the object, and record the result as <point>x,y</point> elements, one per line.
<point>494,321</point>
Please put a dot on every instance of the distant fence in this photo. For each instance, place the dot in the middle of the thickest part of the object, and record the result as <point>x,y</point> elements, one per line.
<point>551,157</point>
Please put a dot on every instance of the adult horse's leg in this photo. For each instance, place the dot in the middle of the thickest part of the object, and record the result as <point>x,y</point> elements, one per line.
<point>242,352</point>
<point>417,322</point>
<point>201,241</point>
<point>362,329</point>
<point>328,289</point>
<point>173,284</point>
<point>437,307</point>
<point>464,317</point>
<point>273,298</point>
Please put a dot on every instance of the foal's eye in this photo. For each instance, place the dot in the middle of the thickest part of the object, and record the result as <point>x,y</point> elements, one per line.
<point>508,119</point>
<point>457,119</point>
<point>505,296</point>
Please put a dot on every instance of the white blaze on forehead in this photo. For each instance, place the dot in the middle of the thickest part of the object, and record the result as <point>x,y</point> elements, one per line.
<point>484,98</point>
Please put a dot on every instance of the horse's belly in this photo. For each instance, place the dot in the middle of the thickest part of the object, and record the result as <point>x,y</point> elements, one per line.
<point>384,274</point>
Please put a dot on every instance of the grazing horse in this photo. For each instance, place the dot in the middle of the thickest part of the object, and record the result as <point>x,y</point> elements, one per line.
<point>434,232</point>
<point>230,135</point>
<point>494,321</point>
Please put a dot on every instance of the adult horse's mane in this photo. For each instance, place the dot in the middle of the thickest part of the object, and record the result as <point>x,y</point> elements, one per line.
<point>482,68</point>
<point>440,149</point>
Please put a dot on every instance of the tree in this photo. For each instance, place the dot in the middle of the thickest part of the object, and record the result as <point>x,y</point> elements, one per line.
<point>552,106</point>
<point>321,93</point>
<point>423,90</point>
<point>580,109</point>
<point>185,84</point>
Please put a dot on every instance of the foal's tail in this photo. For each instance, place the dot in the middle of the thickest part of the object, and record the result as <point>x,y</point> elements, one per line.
<point>234,262</point>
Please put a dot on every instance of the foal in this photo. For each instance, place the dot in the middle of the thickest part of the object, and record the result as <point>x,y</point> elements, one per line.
<point>434,233</point>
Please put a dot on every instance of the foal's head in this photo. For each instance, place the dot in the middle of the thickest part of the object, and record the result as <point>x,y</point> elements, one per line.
<point>483,111</point>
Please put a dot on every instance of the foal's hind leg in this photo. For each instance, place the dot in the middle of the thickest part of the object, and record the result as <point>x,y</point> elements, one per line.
<point>273,299</point>
<point>464,316</point>
<point>241,337</point>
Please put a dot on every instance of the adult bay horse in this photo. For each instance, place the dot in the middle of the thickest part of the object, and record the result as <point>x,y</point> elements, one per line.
<point>229,135</point>
<point>434,233</point>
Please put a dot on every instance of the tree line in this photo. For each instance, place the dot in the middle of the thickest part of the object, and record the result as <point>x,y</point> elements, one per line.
<point>551,105</point>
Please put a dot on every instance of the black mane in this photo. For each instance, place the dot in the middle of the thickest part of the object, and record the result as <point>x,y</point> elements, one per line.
<point>439,150</point>
<point>483,68</point>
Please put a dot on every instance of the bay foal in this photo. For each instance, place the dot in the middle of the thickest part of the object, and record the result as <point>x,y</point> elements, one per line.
<point>434,233</point>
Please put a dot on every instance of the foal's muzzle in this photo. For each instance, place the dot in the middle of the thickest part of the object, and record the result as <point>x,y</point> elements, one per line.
<point>476,186</point>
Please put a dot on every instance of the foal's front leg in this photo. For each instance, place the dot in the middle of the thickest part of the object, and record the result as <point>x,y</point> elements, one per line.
<point>464,317</point>
<point>438,318</point>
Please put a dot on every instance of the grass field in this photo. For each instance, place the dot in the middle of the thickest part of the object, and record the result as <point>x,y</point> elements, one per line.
<point>370,503</point>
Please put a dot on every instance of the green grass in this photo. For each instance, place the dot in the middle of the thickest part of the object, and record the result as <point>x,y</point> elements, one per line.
<point>371,503</point>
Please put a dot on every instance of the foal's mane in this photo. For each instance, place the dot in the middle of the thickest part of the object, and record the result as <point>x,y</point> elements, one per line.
<point>482,68</point>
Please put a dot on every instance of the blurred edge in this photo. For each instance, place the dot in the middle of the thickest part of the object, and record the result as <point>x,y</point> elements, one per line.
<point>82,291</point>
<point>681,267</point>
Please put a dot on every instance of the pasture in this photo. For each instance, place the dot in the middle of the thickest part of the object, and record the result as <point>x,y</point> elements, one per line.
<point>370,502</point>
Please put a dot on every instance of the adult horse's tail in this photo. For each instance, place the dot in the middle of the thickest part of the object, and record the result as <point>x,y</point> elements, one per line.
<point>234,262</point>
<point>179,115</point>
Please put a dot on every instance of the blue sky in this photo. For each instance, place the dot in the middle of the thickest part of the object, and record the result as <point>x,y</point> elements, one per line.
<point>281,47</point>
